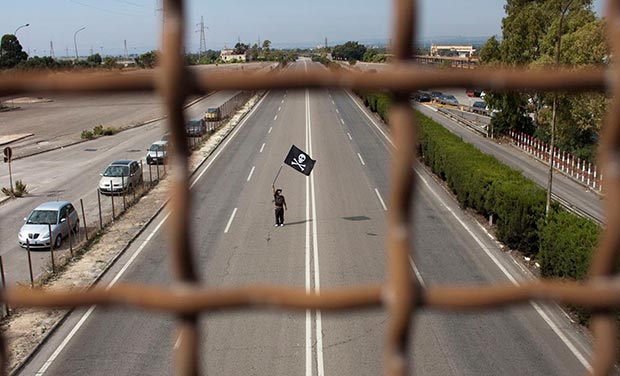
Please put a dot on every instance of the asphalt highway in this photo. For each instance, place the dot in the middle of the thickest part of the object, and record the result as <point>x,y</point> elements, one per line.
<point>71,174</point>
<point>334,235</point>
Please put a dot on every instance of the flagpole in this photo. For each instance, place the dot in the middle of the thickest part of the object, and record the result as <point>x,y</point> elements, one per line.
<point>278,174</point>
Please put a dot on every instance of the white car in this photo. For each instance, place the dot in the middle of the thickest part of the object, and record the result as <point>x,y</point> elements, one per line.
<point>59,215</point>
<point>120,176</point>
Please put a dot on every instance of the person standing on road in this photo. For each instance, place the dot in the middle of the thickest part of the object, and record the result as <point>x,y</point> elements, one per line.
<point>280,205</point>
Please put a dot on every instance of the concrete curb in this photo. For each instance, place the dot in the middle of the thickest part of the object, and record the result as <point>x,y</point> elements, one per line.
<point>17,139</point>
<point>120,130</point>
<point>111,263</point>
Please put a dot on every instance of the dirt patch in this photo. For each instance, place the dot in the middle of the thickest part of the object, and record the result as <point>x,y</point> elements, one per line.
<point>27,328</point>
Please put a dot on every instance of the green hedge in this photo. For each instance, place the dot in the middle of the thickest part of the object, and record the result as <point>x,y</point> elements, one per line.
<point>564,244</point>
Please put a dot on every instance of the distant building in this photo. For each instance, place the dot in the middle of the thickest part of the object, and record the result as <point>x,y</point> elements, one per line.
<point>460,51</point>
<point>228,55</point>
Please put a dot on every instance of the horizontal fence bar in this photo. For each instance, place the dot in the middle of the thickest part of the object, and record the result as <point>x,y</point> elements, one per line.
<point>398,78</point>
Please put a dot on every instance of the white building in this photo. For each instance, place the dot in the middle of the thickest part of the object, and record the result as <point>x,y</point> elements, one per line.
<point>228,55</point>
<point>462,51</point>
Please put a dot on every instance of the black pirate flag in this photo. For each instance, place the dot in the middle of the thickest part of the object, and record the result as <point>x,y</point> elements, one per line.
<point>299,160</point>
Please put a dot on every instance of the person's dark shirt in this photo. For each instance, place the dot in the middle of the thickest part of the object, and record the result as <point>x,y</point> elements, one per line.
<point>279,200</point>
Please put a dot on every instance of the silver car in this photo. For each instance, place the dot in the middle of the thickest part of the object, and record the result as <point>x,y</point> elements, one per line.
<point>59,215</point>
<point>120,176</point>
<point>157,153</point>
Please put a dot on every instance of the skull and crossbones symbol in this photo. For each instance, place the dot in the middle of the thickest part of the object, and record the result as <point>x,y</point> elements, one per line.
<point>299,161</point>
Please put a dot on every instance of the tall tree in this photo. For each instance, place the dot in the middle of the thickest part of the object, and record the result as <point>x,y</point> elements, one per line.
<point>11,52</point>
<point>490,52</point>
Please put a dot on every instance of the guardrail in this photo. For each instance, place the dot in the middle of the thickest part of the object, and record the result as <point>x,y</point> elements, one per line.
<point>579,170</point>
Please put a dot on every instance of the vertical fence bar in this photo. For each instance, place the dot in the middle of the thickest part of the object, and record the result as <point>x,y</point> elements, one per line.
<point>30,261</point>
<point>174,91</point>
<point>6,305</point>
<point>400,287</point>
<point>84,219</point>
<point>52,241</point>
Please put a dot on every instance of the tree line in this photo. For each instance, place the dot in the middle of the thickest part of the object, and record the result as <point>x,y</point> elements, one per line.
<point>529,39</point>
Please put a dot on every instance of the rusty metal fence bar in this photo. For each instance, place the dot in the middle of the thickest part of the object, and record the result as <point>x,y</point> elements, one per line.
<point>401,295</point>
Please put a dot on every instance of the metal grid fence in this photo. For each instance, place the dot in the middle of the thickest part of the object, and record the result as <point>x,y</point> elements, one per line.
<point>401,295</point>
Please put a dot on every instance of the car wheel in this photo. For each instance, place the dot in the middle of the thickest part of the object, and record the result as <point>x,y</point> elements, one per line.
<point>58,241</point>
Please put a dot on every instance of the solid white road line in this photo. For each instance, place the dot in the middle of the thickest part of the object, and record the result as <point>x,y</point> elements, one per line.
<point>361,160</point>
<point>573,349</point>
<point>270,128</point>
<point>232,216</point>
<point>262,147</point>
<point>251,172</point>
<point>315,253</point>
<point>349,134</point>
<point>380,199</point>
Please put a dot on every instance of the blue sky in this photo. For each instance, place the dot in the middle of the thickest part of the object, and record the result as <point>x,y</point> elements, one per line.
<point>109,22</point>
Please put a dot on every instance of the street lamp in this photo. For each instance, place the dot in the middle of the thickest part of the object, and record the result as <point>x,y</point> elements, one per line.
<point>555,99</point>
<point>24,25</point>
<point>75,42</point>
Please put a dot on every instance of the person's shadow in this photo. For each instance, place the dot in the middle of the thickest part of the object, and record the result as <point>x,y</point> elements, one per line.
<point>297,223</point>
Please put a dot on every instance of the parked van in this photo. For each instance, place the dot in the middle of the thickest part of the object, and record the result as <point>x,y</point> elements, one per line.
<point>196,128</point>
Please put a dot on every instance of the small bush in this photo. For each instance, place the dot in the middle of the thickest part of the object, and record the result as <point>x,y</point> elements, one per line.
<point>98,131</point>
<point>19,191</point>
<point>87,135</point>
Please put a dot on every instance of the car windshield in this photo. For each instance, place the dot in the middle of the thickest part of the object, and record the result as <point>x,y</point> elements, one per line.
<point>193,123</point>
<point>212,110</point>
<point>42,217</point>
<point>157,147</point>
<point>116,171</point>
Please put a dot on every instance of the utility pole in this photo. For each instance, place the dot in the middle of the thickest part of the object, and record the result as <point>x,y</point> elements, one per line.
<point>126,53</point>
<point>52,49</point>
<point>325,43</point>
<point>555,99</point>
<point>66,51</point>
<point>91,50</point>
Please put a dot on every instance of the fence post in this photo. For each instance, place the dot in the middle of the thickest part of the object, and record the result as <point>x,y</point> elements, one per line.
<point>124,191</point>
<point>30,261</point>
<point>99,204</point>
<point>112,197</point>
<point>52,241</point>
<point>142,174</point>
<point>70,240</point>
<point>589,172</point>
<point>150,177</point>
<point>6,305</point>
<point>84,219</point>
<point>157,165</point>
